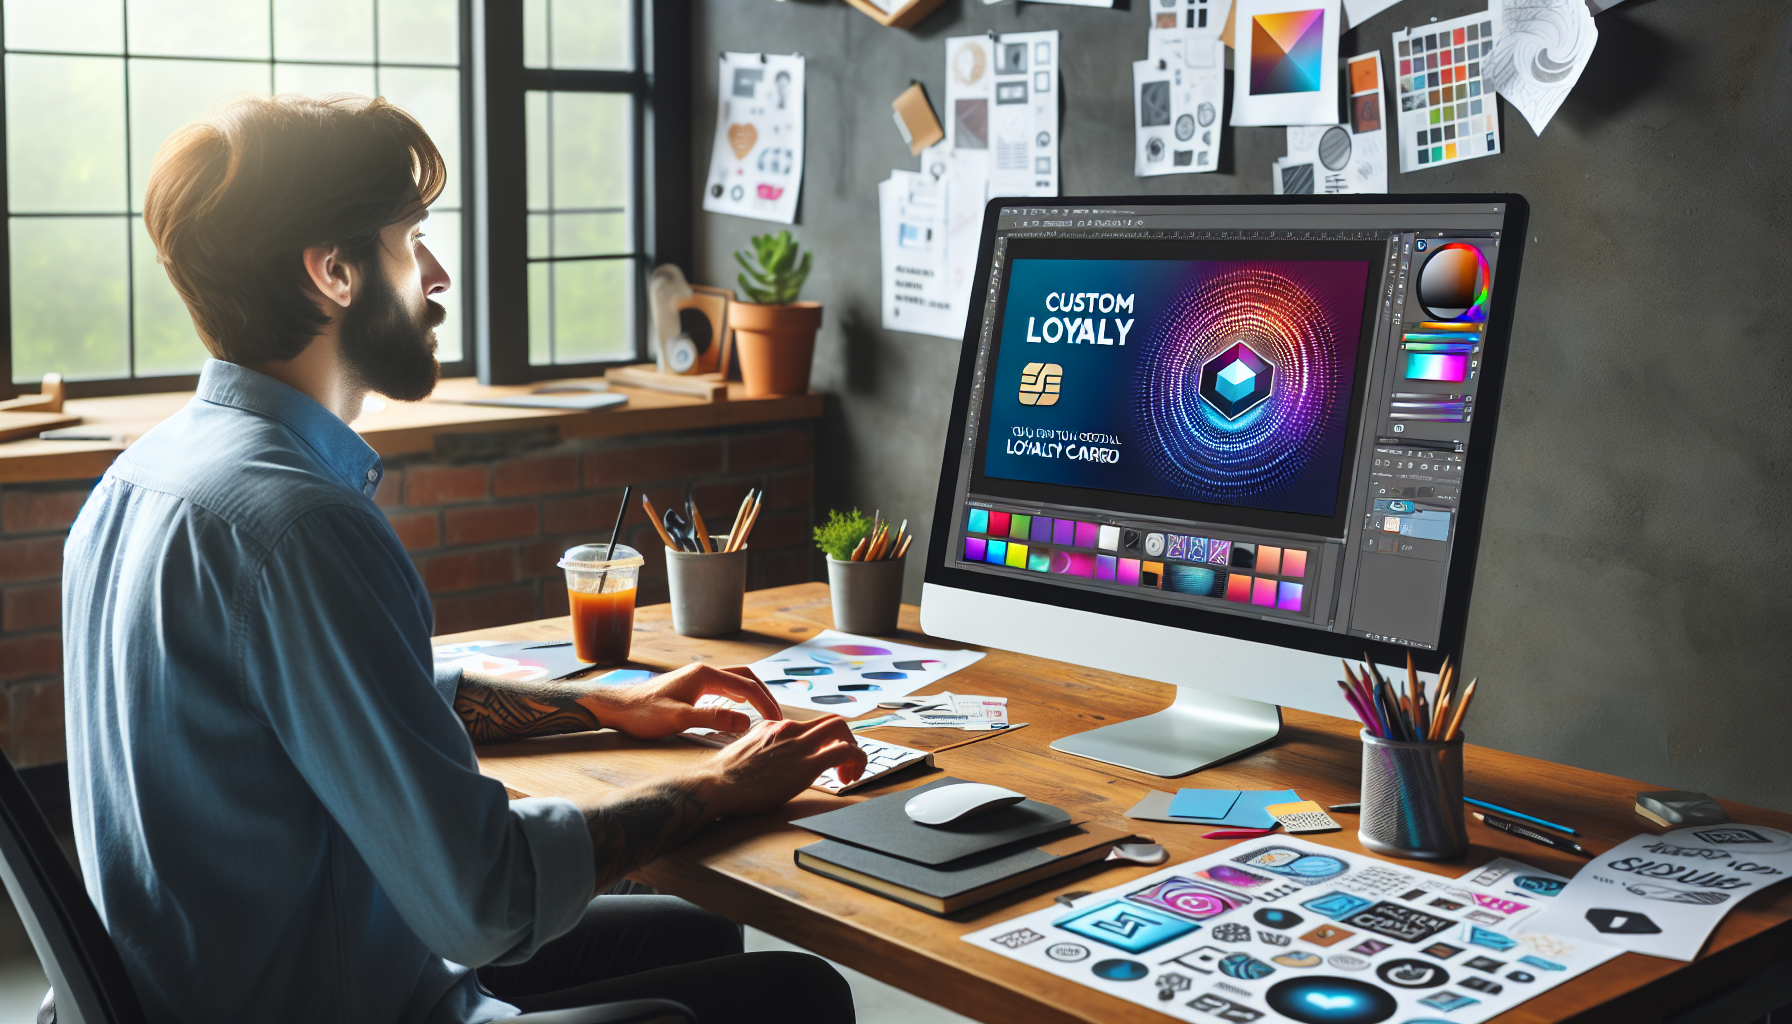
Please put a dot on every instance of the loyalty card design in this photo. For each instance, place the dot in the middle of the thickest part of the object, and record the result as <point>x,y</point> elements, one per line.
<point>848,675</point>
<point>1279,955</point>
<point>1225,381</point>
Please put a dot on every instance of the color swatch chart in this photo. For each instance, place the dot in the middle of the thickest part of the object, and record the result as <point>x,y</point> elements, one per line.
<point>1446,114</point>
<point>1283,929</point>
<point>1240,572</point>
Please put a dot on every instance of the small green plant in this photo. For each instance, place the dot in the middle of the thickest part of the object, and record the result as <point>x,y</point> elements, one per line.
<point>842,533</point>
<point>780,277</point>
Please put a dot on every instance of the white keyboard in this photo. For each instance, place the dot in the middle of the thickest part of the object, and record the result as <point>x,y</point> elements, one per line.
<point>880,758</point>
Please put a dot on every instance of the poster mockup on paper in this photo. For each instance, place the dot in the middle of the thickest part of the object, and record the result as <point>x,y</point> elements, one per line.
<point>912,228</point>
<point>1284,62</point>
<point>1002,101</point>
<point>756,164</point>
<point>1343,158</point>
<point>1178,94</point>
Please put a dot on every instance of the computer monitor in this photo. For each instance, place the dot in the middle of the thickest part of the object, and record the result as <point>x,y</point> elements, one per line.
<point>1223,442</point>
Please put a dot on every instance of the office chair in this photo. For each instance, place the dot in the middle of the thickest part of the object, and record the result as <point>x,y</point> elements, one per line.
<point>88,984</point>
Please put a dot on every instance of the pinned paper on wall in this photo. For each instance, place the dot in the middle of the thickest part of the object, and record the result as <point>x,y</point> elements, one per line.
<point>756,164</point>
<point>1002,102</point>
<point>1447,111</point>
<point>915,119</point>
<point>912,221</point>
<point>1341,158</point>
<point>1285,53</point>
<point>1207,16</point>
<point>1177,97</point>
<point>1358,11</point>
<point>1543,47</point>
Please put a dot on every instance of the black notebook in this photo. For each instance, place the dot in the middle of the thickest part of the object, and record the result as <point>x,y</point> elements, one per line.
<point>883,825</point>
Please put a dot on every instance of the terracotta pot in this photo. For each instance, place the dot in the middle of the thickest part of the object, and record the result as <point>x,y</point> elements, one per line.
<point>776,345</point>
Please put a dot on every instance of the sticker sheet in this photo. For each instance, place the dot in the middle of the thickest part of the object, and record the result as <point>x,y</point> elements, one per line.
<point>1663,895</point>
<point>1283,929</point>
<point>1543,47</point>
<point>1002,101</point>
<point>756,165</point>
<point>912,222</point>
<point>848,675</point>
<point>1177,95</point>
<point>1446,107</point>
<point>1284,62</point>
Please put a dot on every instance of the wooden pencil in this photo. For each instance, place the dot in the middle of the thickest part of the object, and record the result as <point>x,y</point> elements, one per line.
<point>906,541</point>
<point>702,530</point>
<point>653,516</point>
<point>746,528</point>
<point>1468,694</point>
<point>858,551</point>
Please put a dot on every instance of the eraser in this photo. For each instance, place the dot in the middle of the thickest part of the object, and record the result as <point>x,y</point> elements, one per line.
<point>1674,808</point>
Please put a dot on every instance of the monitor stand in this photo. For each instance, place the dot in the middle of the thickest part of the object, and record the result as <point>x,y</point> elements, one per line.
<point>1198,730</point>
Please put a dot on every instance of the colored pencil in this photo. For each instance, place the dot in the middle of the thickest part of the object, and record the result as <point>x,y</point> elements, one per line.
<point>1518,814</point>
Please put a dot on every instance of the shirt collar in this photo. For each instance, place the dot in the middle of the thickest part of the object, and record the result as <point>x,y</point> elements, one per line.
<point>334,441</point>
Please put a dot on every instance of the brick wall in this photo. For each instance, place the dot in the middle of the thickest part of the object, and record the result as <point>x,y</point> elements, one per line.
<point>485,517</point>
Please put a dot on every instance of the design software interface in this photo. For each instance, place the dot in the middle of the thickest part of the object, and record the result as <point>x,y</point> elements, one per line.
<point>1259,411</point>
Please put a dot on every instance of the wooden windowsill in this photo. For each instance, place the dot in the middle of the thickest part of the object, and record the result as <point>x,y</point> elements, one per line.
<point>405,427</point>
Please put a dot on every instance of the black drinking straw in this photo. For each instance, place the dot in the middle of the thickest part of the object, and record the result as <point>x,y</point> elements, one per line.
<point>615,531</point>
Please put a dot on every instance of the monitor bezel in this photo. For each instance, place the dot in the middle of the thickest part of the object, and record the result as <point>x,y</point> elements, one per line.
<point>1477,470</point>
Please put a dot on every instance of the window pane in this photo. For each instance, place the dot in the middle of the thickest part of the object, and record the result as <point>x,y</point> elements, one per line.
<point>591,234</point>
<point>432,97</point>
<point>323,30</point>
<point>167,343</point>
<point>535,33</point>
<point>166,94</point>
<point>65,134</point>
<point>535,134</point>
<point>540,323</point>
<point>538,236</point>
<point>593,155</point>
<point>69,297</point>
<point>419,31</point>
<point>199,28</point>
<point>324,79</point>
<point>442,236</point>
<point>591,34</point>
<point>593,306</point>
<point>86,26</point>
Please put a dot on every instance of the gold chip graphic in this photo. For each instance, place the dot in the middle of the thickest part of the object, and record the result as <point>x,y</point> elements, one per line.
<point>1039,383</point>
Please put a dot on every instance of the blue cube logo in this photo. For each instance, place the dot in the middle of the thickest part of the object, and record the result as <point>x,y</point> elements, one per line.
<point>1236,381</point>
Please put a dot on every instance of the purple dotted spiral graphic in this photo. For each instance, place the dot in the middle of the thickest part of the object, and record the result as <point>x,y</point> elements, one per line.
<point>1200,453</point>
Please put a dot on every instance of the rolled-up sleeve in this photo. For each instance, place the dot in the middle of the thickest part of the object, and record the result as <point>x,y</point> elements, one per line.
<point>335,655</point>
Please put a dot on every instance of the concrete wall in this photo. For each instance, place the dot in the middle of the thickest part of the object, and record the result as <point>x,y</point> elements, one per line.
<point>1631,613</point>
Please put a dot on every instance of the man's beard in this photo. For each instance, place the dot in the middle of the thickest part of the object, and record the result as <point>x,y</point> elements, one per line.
<point>389,350</point>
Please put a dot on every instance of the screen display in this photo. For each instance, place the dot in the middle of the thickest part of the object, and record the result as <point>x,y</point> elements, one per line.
<point>1211,380</point>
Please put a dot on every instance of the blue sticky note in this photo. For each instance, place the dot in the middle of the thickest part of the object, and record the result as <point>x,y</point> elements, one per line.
<point>1248,812</point>
<point>1203,803</point>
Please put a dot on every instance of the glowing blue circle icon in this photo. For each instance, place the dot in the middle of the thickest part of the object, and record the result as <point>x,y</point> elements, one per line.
<point>1120,970</point>
<point>1330,1001</point>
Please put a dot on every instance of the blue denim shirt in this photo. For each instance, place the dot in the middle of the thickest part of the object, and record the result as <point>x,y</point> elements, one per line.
<point>279,814</point>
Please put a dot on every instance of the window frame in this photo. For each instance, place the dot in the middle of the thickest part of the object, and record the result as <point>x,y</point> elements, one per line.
<point>492,280</point>
<point>660,89</point>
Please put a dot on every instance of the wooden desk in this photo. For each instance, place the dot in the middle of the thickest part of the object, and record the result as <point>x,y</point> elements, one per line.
<point>744,869</point>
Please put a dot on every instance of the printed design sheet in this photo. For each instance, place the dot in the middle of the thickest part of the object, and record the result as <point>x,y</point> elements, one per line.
<point>756,165</point>
<point>1002,102</point>
<point>848,675</point>
<point>1178,94</point>
<point>1663,895</point>
<point>1284,62</point>
<point>912,218</point>
<point>1543,47</point>
<point>1446,107</point>
<point>1284,929</point>
<point>1341,158</point>
<point>1203,15</point>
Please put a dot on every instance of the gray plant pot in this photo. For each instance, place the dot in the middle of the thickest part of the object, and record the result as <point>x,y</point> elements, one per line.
<point>707,590</point>
<point>867,595</point>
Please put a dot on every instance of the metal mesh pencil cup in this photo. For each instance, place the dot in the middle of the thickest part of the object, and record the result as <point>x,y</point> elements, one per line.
<point>1412,799</point>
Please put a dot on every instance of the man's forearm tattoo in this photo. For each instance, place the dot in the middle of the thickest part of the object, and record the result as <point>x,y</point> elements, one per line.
<point>642,823</point>
<point>496,710</point>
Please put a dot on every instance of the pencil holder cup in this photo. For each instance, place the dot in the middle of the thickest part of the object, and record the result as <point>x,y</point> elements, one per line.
<point>866,595</point>
<point>1412,799</point>
<point>707,589</point>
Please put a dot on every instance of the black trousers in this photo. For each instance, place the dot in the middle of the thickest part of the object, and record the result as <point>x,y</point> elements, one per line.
<point>638,947</point>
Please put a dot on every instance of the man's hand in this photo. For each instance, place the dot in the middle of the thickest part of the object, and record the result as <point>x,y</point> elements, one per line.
<point>774,762</point>
<point>667,704</point>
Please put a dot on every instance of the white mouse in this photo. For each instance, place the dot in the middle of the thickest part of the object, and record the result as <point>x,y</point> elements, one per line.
<point>960,800</point>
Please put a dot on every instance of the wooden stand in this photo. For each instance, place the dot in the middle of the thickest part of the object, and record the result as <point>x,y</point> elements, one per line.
<point>710,387</point>
<point>48,400</point>
<point>906,15</point>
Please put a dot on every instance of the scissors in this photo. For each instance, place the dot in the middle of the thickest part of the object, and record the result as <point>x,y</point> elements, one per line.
<point>679,530</point>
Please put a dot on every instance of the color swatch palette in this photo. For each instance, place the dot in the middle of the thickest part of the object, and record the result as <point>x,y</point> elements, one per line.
<point>1446,112</point>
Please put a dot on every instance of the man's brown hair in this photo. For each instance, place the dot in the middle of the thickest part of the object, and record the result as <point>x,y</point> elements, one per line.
<point>234,200</point>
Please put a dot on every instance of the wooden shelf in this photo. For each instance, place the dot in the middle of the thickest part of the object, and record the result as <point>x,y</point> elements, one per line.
<point>906,15</point>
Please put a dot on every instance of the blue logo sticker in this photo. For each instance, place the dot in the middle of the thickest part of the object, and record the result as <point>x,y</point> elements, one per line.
<point>1126,926</point>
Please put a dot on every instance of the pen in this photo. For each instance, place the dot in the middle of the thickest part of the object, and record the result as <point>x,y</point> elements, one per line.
<point>1351,808</point>
<point>1521,831</point>
<point>1521,817</point>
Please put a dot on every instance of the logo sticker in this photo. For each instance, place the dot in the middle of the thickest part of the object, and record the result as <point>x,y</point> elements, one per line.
<point>1326,935</point>
<point>1412,974</point>
<point>1017,938</point>
<point>1243,965</point>
<point>1189,898</point>
<point>1067,952</point>
<point>1336,904</point>
<point>1126,926</point>
<point>1225,1009</point>
<point>1404,924</point>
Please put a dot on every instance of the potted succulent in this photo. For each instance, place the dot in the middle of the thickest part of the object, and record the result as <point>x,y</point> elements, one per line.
<point>774,333</point>
<point>865,563</point>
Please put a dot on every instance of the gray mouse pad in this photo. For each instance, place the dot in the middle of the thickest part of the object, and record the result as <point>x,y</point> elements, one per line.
<point>882,825</point>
